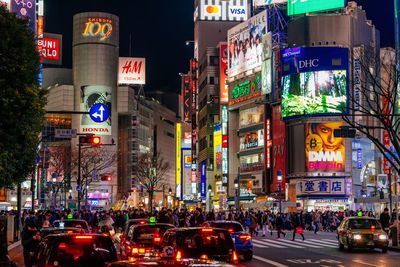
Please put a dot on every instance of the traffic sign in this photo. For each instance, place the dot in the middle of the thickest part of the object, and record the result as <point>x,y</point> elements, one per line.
<point>79,188</point>
<point>99,112</point>
<point>65,133</point>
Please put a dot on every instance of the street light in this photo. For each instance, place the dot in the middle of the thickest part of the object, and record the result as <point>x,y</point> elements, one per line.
<point>279,178</point>
<point>209,195</point>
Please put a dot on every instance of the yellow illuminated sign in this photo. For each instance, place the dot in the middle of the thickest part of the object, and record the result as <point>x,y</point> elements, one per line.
<point>98,27</point>
<point>178,158</point>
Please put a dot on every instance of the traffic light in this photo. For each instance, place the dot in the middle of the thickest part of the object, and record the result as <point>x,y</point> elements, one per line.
<point>90,139</point>
<point>106,178</point>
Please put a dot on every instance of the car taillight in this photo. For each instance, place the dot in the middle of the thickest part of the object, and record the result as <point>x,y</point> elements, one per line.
<point>204,257</point>
<point>245,237</point>
<point>207,230</point>
<point>83,237</point>
<point>142,250</point>
<point>235,258</point>
<point>135,250</point>
<point>178,256</point>
<point>230,230</point>
<point>157,239</point>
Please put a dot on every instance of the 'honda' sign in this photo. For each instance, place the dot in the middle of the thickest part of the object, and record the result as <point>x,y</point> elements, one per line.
<point>131,70</point>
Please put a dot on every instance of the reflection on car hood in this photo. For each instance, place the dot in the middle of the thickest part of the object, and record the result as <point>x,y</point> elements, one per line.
<point>169,263</point>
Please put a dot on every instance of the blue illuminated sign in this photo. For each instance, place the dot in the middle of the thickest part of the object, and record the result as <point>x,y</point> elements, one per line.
<point>203,177</point>
<point>99,112</point>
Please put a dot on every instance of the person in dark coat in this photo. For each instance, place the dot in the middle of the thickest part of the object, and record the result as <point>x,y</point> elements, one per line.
<point>30,241</point>
<point>298,224</point>
<point>385,220</point>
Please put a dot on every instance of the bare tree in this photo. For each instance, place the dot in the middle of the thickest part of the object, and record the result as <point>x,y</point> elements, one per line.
<point>151,169</point>
<point>95,162</point>
<point>373,102</point>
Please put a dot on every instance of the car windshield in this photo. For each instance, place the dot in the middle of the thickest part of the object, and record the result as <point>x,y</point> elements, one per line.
<point>82,250</point>
<point>212,242</point>
<point>364,224</point>
<point>230,226</point>
<point>71,223</point>
<point>144,234</point>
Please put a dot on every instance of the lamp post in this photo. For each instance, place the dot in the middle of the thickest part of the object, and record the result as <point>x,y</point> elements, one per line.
<point>279,179</point>
<point>169,197</point>
<point>237,195</point>
<point>209,196</point>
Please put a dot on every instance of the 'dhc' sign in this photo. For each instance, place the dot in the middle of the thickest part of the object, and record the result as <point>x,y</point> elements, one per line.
<point>98,27</point>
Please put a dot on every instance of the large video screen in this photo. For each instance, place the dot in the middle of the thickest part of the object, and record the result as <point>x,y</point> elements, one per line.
<point>314,81</point>
<point>314,93</point>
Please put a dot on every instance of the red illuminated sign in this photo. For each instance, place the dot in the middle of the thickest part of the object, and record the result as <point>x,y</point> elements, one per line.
<point>49,48</point>
<point>187,98</point>
<point>278,147</point>
<point>98,27</point>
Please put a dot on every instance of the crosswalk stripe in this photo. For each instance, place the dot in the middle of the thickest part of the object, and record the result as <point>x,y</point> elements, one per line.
<point>268,244</point>
<point>268,241</point>
<point>274,263</point>
<point>301,243</point>
<point>259,246</point>
<point>320,244</point>
<point>331,242</point>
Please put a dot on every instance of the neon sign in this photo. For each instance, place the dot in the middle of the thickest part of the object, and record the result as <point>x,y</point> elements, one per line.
<point>98,27</point>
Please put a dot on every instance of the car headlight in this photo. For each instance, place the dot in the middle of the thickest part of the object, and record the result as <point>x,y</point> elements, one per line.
<point>382,237</point>
<point>357,237</point>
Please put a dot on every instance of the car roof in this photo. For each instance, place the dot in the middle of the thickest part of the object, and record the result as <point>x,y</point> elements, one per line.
<point>59,228</point>
<point>186,229</point>
<point>362,217</point>
<point>223,221</point>
<point>77,234</point>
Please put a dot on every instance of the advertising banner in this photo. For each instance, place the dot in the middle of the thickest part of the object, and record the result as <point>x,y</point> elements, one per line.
<point>251,116</point>
<point>178,133</point>
<point>296,7</point>
<point>223,68</point>
<point>266,65</point>
<point>314,81</point>
<point>25,9</point>
<point>357,78</point>
<point>50,48</point>
<point>89,96</point>
<point>5,3</point>
<point>217,143</point>
<point>187,98</point>
<point>245,44</point>
<point>246,90</point>
<point>323,186</point>
<point>324,152</point>
<point>278,147</point>
<point>258,3</point>
<point>222,10</point>
<point>203,180</point>
<point>252,140</point>
<point>225,142</point>
<point>131,70</point>
<point>186,168</point>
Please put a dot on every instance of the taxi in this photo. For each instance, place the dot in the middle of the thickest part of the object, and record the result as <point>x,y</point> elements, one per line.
<point>75,223</point>
<point>59,230</point>
<point>362,232</point>
<point>144,240</point>
<point>62,250</point>
<point>185,246</point>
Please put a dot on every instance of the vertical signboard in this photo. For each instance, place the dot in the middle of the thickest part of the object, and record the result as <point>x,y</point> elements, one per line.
<point>266,65</point>
<point>217,143</point>
<point>324,152</point>
<point>25,9</point>
<point>278,147</point>
<point>89,96</point>
<point>269,143</point>
<point>224,117</point>
<point>203,180</point>
<point>223,67</point>
<point>178,160</point>
<point>187,99</point>
<point>357,77</point>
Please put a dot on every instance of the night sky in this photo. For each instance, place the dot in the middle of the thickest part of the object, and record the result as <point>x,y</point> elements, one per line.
<point>159,29</point>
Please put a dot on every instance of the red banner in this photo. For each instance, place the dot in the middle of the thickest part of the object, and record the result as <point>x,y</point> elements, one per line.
<point>278,148</point>
<point>223,66</point>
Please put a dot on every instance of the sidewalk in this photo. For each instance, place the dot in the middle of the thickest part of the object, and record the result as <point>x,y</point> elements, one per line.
<point>16,253</point>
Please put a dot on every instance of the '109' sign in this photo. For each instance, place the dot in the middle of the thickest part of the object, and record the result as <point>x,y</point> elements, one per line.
<point>98,27</point>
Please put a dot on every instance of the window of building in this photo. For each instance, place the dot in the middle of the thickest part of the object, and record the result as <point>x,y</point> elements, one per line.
<point>212,80</point>
<point>214,61</point>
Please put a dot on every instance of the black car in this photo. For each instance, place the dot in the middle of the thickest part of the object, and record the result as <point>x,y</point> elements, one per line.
<point>73,223</point>
<point>75,250</point>
<point>144,240</point>
<point>56,230</point>
<point>198,243</point>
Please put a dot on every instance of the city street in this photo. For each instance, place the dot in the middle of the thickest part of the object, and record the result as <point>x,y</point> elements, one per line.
<point>317,250</point>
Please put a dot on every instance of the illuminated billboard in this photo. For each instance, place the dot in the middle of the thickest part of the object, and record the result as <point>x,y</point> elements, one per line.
<point>50,48</point>
<point>246,90</point>
<point>258,3</point>
<point>187,98</point>
<point>217,143</point>
<point>252,140</point>
<point>131,70</point>
<point>245,44</point>
<point>178,183</point>
<point>323,186</point>
<point>223,68</point>
<point>251,116</point>
<point>296,7</point>
<point>222,10</point>
<point>25,9</point>
<point>324,151</point>
<point>89,96</point>
<point>314,81</point>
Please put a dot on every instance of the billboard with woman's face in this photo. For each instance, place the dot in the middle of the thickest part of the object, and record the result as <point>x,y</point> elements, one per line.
<point>324,151</point>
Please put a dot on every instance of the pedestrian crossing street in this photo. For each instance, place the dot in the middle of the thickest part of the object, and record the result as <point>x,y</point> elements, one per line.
<point>298,243</point>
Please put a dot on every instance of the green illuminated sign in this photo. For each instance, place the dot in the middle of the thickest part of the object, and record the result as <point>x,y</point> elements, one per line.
<point>247,88</point>
<point>152,219</point>
<point>296,7</point>
<point>69,216</point>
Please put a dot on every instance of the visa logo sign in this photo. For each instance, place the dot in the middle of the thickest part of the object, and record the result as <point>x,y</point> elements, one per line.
<point>239,11</point>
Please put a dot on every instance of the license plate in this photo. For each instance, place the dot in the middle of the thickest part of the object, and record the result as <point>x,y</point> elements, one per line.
<point>370,243</point>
